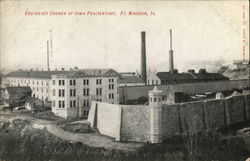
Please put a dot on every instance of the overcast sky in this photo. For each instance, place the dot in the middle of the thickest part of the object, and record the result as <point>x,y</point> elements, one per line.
<point>202,31</point>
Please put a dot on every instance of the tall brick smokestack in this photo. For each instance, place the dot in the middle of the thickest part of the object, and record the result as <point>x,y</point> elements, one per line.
<point>143,57</point>
<point>171,55</point>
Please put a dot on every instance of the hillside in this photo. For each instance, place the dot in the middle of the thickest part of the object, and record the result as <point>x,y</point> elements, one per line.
<point>235,73</point>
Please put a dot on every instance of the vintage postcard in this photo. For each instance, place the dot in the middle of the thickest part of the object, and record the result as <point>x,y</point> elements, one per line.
<point>124,80</point>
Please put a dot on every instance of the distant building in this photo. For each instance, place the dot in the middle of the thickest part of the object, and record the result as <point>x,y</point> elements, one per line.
<point>70,92</point>
<point>38,81</point>
<point>34,104</point>
<point>131,80</point>
<point>165,78</point>
<point>16,96</point>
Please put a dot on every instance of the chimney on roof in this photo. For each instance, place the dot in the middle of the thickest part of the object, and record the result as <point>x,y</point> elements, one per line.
<point>175,71</point>
<point>62,69</point>
<point>143,57</point>
<point>171,55</point>
<point>202,71</point>
<point>48,55</point>
<point>191,71</point>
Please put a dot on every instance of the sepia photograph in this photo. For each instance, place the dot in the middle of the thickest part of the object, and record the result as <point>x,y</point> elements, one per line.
<point>131,80</point>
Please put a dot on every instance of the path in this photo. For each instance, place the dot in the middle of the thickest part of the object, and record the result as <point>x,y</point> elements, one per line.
<point>90,139</point>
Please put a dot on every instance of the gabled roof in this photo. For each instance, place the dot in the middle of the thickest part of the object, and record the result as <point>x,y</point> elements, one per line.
<point>32,99</point>
<point>174,76</point>
<point>130,79</point>
<point>190,76</point>
<point>209,76</point>
<point>18,90</point>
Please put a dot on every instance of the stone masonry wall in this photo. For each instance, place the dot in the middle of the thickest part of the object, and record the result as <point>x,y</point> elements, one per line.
<point>170,120</point>
<point>235,106</point>
<point>214,113</point>
<point>192,116</point>
<point>135,123</point>
<point>247,106</point>
<point>132,122</point>
<point>132,93</point>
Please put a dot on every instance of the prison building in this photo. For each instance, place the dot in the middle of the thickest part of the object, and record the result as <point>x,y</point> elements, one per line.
<point>165,78</point>
<point>70,92</point>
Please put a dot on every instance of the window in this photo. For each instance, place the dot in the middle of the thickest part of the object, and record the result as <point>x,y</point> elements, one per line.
<point>111,86</point>
<point>98,91</point>
<point>61,93</point>
<point>37,82</point>
<point>37,89</point>
<point>72,92</point>
<point>85,92</point>
<point>42,83</point>
<point>54,103</point>
<point>99,100</point>
<point>85,82</point>
<point>54,92</point>
<point>111,96</point>
<point>156,82</point>
<point>152,82</point>
<point>155,99</point>
<point>61,82</point>
<point>98,81</point>
<point>61,104</point>
<point>73,103</point>
<point>111,80</point>
<point>72,82</point>
<point>85,103</point>
<point>86,113</point>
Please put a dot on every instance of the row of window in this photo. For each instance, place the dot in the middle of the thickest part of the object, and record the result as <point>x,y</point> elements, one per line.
<point>61,92</point>
<point>61,104</point>
<point>85,82</point>
<point>153,82</point>
<point>42,90</point>
<point>29,82</point>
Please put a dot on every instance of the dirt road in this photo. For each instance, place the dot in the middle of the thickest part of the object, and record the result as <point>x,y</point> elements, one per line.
<point>90,139</point>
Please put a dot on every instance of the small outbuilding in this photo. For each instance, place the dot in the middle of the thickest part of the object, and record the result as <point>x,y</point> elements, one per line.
<point>16,96</point>
<point>34,104</point>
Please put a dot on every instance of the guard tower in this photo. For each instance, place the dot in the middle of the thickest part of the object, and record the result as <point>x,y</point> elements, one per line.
<point>155,105</point>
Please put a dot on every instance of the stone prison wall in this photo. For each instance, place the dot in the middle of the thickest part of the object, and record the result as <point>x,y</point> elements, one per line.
<point>132,122</point>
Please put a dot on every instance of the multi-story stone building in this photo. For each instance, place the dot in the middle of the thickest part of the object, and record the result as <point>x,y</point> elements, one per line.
<point>70,92</point>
